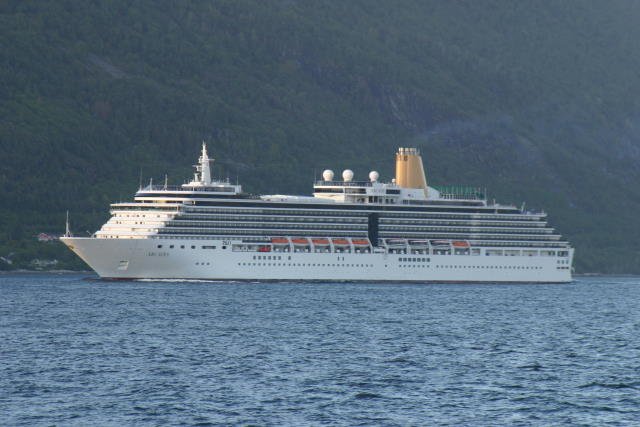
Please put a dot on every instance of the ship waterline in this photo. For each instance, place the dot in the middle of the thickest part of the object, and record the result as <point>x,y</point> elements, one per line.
<point>347,231</point>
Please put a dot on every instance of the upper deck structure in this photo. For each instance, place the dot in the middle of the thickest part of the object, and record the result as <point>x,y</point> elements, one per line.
<point>343,216</point>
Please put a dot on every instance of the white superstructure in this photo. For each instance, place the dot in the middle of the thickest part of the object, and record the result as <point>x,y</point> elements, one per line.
<point>401,230</point>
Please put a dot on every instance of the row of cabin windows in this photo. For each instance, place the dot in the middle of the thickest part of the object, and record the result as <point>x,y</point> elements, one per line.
<point>192,247</point>
<point>269,257</point>
<point>253,225</point>
<point>147,223</point>
<point>360,226</point>
<point>395,233</point>
<point>481,267</point>
<point>538,235</point>
<point>146,207</point>
<point>354,220</point>
<point>518,217</point>
<point>152,216</point>
<point>294,264</point>
<point>353,216</point>
<point>419,259</point>
<point>500,252</point>
<point>494,267</point>
<point>272,218</point>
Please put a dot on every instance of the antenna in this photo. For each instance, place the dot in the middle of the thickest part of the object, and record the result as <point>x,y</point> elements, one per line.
<point>165,181</point>
<point>140,180</point>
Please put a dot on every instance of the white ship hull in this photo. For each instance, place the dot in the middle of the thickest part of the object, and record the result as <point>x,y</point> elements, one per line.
<point>187,259</point>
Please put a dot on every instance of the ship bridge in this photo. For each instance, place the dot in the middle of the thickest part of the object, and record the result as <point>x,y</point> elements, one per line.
<point>201,187</point>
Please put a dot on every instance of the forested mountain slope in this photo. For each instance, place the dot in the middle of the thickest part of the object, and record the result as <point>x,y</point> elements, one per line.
<point>537,101</point>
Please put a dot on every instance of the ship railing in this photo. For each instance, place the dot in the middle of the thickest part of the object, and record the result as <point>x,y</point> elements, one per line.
<point>461,192</point>
<point>322,183</point>
<point>222,188</point>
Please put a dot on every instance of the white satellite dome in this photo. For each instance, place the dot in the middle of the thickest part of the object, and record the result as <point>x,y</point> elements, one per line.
<point>373,176</point>
<point>347,175</point>
<point>327,175</point>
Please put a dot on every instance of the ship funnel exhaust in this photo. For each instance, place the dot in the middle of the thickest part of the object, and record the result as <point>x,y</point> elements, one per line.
<point>409,169</point>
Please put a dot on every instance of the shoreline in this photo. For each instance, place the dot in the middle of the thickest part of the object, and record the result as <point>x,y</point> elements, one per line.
<point>23,271</point>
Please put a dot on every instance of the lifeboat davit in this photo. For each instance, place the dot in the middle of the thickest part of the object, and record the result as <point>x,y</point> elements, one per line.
<point>340,242</point>
<point>320,242</point>
<point>279,240</point>
<point>360,242</point>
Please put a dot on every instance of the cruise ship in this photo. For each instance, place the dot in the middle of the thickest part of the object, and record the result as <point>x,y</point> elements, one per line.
<point>348,230</point>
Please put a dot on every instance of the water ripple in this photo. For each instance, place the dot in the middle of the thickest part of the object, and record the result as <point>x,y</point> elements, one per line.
<point>78,351</point>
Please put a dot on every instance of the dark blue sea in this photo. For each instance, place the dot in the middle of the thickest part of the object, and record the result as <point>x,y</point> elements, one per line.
<point>79,351</point>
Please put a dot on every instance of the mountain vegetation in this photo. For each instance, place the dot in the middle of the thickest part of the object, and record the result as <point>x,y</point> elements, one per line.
<point>537,101</point>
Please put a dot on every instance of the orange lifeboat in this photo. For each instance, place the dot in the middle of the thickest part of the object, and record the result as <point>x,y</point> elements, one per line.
<point>360,242</point>
<point>460,244</point>
<point>279,240</point>
<point>300,241</point>
<point>340,242</point>
<point>320,242</point>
